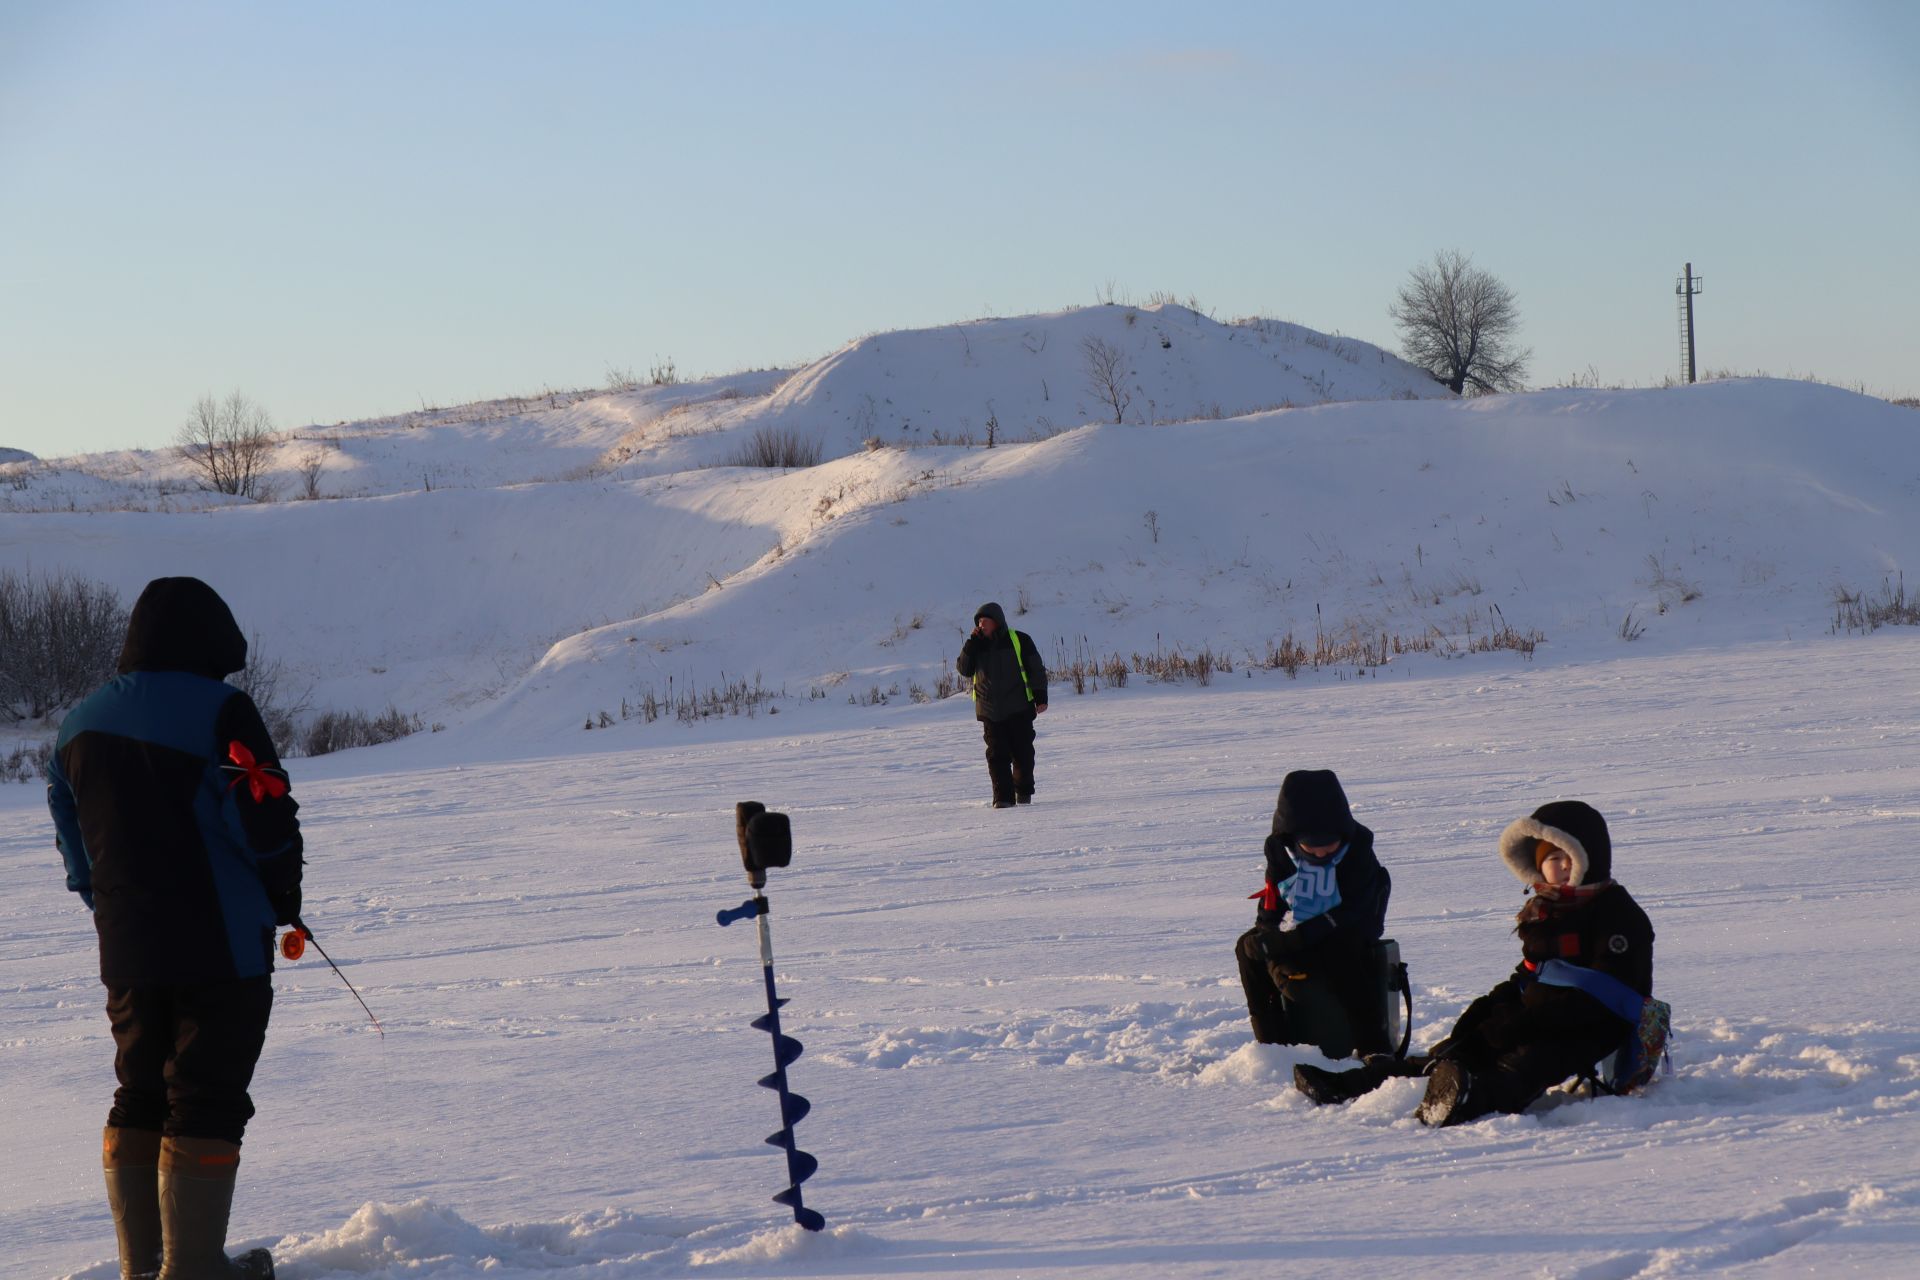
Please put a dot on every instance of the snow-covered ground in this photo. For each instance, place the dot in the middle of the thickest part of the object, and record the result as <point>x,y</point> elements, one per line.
<point>1025,1048</point>
<point>1026,1045</point>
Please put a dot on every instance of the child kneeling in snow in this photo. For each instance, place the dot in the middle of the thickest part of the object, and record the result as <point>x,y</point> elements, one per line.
<point>1580,934</point>
<point>1308,964</point>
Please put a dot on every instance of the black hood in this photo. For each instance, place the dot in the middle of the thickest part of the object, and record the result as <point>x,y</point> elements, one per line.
<point>994,611</point>
<point>1574,826</point>
<point>182,624</point>
<point>1311,803</point>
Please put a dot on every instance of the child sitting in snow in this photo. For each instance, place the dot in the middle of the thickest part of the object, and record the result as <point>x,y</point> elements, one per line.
<point>1581,937</point>
<point>1307,964</point>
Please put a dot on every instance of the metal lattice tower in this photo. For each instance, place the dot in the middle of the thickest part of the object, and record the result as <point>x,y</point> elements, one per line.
<point>1684,288</point>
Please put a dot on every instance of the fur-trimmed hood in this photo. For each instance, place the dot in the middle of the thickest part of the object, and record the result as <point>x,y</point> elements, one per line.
<point>1574,826</point>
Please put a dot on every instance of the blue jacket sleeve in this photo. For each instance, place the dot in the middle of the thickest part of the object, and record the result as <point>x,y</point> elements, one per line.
<point>66,832</point>
<point>263,825</point>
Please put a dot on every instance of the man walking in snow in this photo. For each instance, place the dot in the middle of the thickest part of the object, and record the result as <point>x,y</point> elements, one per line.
<point>175,822</point>
<point>1009,691</point>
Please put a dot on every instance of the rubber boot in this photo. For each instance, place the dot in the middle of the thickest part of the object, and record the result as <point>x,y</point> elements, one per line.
<point>1334,1087</point>
<point>1446,1100</point>
<point>196,1197</point>
<point>130,1159</point>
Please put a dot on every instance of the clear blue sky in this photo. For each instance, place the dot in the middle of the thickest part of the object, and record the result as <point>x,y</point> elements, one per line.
<point>345,209</point>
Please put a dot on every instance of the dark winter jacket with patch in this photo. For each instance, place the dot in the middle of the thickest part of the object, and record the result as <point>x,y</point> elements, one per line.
<point>994,665</point>
<point>1603,929</point>
<point>169,807</point>
<point>1313,804</point>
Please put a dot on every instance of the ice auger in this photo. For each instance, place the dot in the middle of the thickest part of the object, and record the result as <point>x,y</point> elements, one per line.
<point>766,840</point>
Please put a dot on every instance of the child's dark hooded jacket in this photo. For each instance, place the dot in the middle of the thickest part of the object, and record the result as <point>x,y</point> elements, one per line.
<point>169,807</point>
<point>1602,929</point>
<point>1312,803</point>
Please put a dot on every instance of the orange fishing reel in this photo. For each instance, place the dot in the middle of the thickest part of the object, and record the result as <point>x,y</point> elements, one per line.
<point>293,943</point>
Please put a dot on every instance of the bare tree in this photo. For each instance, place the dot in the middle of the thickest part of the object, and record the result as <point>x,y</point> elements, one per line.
<point>1106,372</point>
<point>311,464</point>
<point>1459,323</point>
<point>228,442</point>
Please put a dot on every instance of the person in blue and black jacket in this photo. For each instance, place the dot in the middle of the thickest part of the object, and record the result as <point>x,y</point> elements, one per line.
<point>178,831</point>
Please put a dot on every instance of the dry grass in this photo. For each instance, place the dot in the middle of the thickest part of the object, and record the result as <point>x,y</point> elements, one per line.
<point>1855,611</point>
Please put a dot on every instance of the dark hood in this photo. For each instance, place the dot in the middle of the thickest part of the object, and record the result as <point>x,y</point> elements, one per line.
<point>182,624</point>
<point>1574,826</point>
<point>1311,803</point>
<point>994,611</point>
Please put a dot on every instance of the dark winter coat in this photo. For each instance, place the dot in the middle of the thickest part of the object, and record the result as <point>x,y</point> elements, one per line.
<point>169,808</point>
<point>1312,803</point>
<point>994,666</point>
<point>1604,931</point>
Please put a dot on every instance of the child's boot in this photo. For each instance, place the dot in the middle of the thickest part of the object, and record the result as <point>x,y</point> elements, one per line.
<point>1328,1088</point>
<point>1445,1103</point>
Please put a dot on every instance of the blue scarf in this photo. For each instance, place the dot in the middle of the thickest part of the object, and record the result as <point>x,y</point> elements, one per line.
<point>1313,889</point>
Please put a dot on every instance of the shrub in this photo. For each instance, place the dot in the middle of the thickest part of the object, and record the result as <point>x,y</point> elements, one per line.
<point>26,763</point>
<point>776,447</point>
<point>343,730</point>
<point>60,636</point>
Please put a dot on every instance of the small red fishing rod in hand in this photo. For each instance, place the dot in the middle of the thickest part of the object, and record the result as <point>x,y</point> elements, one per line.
<point>293,945</point>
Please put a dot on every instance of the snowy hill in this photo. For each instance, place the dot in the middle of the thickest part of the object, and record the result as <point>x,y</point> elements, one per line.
<point>1029,377</point>
<point>15,455</point>
<point>1721,513</point>
<point>914,387</point>
<point>1588,519</point>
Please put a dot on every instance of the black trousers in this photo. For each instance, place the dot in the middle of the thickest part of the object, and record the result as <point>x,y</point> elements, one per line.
<point>1327,1005</point>
<point>185,1055</point>
<point>1010,755</point>
<point>1507,1077</point>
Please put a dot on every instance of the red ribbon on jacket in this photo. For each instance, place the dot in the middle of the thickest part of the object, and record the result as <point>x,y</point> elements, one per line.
<point>263,780</point>
<point>1269,896</point>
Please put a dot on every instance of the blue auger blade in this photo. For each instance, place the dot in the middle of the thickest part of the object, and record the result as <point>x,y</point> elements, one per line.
<point>786,1051</point>
<point>767,1021</point>
<point>745,911</point>
<point>774,1080</point>
<point>809,1219</point>
<point>793,1109</point>
<point>800,1167</point>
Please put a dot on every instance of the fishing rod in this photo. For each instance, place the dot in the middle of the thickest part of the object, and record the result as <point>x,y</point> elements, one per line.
<point>293,945</point>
